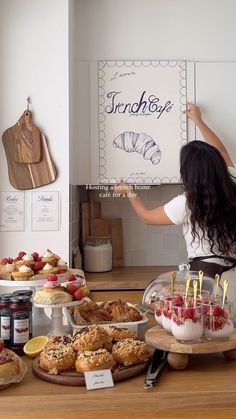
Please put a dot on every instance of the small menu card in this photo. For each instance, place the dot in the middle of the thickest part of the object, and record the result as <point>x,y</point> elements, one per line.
<point>98,379</point>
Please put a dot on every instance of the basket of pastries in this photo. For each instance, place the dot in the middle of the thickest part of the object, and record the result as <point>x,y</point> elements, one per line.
<point>114,312</point>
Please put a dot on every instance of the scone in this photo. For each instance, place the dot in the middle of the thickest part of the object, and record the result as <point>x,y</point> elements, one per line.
<point>100,359</point>
<point>24,273</point>
<point>91,338</point>
<point>130,352</point>
<point>58,355</point>
<point>52,293</point>
<point>9,364</point>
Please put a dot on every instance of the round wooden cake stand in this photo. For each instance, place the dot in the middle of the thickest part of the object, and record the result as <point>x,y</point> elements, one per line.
<point>178,356</point>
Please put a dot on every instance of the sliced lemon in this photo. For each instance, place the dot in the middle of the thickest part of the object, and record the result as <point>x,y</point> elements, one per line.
<point>35,345</point>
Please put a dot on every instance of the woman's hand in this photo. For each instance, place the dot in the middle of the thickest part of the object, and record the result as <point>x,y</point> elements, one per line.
<point>193,112</point>
<point>123,188</point>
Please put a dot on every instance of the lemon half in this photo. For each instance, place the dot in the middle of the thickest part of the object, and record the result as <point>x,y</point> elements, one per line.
<point>35,345</point>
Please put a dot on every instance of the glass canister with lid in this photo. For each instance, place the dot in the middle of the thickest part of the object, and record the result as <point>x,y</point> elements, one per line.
<point>98,254</point>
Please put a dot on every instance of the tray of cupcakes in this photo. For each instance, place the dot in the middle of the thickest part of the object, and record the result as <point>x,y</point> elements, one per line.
<point>65,359</point>
<point>31,268</point>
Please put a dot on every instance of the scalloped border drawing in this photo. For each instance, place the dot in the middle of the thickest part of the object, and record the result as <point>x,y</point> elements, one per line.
<point>102,117</point>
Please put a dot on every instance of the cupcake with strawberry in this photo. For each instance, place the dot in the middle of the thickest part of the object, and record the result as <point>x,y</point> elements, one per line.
<point>24,273</point>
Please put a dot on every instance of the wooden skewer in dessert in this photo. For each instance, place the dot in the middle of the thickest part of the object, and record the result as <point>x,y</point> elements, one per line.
<point>216,286</point>
<point>200,277</point>
<point>173,281</point>
<point>194,293</point>
<point>188,280</point>
<point>225,290</point>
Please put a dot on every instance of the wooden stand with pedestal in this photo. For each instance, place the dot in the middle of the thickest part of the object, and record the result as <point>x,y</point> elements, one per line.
<point>178,356</point>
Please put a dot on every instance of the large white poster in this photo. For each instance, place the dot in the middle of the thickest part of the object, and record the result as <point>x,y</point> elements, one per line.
<point>141,122</point>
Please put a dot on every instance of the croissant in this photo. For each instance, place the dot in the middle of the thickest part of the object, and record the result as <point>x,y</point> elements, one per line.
<point>140,143</point>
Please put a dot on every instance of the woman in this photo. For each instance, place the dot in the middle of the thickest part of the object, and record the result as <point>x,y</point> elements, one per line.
<point>207,208</point>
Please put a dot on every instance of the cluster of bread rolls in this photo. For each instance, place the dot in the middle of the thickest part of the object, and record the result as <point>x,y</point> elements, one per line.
<point>93,348</point>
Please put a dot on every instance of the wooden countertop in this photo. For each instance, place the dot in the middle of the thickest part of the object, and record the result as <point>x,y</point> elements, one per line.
<point>207,386</point>
<point>125,278</point>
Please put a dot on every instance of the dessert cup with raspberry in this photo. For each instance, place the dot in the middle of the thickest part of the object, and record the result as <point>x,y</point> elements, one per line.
<point>158,310</point>
<point>187,323</point>
<point>166,313</point>
<point>218,323</point>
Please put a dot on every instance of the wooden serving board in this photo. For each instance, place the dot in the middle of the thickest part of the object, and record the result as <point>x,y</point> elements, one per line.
<point>159,338</point>
<point>28,159</point>
<point>73,378</point>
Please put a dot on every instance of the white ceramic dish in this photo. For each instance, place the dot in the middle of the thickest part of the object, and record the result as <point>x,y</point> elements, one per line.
<point>138,327</point>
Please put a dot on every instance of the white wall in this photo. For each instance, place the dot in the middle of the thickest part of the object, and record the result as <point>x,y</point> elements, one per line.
<point>34,62</point>
<point>192,30</point>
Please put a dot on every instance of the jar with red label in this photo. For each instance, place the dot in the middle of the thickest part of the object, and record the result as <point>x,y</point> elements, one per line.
<point>20,322</point>
<point>29,294</point>
<point>5,318</point>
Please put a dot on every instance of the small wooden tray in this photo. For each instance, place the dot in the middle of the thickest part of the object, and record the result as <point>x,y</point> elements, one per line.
<point>178,352</point>
<point>73,378</point>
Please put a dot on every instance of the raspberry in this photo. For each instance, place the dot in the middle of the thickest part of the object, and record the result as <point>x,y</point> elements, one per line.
<point>179,301</point>
<point>218,311</point>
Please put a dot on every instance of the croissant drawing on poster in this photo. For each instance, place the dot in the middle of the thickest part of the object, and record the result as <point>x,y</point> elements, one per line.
<point>141,143</point>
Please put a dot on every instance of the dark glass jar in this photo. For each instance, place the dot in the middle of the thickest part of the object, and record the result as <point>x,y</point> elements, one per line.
<point>20,322</point>
<point>5,318</point>
<point>29,294</point>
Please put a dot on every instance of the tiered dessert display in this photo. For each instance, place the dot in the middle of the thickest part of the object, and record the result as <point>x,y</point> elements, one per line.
<point>30,271</point>
<point>192,321</point>
<point>56,295</point>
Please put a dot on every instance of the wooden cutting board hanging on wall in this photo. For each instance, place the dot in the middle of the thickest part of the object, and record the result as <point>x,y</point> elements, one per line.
<point>29,163</point>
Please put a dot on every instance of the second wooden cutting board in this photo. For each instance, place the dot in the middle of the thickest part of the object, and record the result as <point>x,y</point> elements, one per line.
<point>110,227</point>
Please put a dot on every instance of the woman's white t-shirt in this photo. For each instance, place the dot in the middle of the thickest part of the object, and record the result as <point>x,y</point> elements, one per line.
<point>177,211</point>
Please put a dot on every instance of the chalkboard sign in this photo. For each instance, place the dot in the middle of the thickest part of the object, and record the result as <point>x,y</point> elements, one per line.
<point>141,122</point>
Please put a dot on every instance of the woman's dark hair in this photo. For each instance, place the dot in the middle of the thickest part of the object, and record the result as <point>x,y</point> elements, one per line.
<point>211,196</point>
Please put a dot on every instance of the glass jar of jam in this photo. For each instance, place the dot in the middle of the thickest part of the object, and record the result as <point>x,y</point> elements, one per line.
<point>5,318</point>
<point>29,294</point>
<point>20,322</point>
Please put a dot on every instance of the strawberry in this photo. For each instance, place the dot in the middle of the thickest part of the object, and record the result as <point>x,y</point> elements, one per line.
<point>4,261</point>
<point>71,288</point>
<point>78,294</point>
<point>39,266</point>
<point>35,256</point>
<point>17,258</point>
<point>21,254</point>
<point>1,347</point>
<point>52,277</point>
<point>71,277</point>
